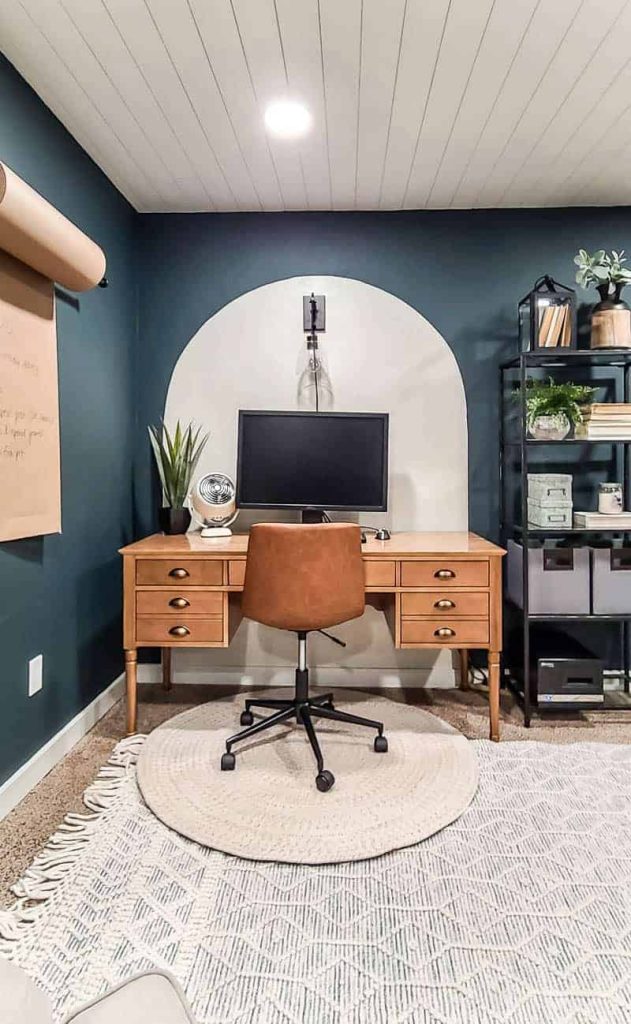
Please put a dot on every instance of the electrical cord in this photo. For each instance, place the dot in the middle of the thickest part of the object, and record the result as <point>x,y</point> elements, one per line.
<point>312,340</point>
<point>477,679</point>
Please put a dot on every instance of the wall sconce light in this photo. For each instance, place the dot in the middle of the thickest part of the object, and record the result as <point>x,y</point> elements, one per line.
<point>314,323</point>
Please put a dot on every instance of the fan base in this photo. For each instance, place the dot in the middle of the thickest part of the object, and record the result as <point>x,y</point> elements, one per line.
<point>216,531</point>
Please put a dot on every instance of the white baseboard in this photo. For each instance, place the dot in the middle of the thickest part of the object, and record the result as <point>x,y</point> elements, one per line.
<point>270,675</point>
<point>44,760</point>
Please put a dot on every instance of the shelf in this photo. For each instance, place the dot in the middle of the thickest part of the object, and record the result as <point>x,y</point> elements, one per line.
<point>542,531</point>
<point>579,618</point>
<point>520,454</point>
<point>615,700</point>
<point>587,617</point>
<point>568,440</point>
<point>559,357</point>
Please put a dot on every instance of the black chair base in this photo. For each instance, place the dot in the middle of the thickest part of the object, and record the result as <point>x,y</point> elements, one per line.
<point>303,709</point>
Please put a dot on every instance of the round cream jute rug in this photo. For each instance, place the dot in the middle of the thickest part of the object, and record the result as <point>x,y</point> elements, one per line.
<point>269,808</point>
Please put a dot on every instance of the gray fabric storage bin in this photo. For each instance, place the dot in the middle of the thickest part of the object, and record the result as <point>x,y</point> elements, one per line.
<point>611,581</point>
<point>558,579</point>
<point>550,517</point>
<point>550,488</point>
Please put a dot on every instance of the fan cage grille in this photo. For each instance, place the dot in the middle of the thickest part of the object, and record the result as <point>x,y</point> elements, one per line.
<point>216,489</point>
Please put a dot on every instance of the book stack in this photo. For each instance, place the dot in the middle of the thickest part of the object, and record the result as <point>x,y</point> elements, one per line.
<point>606,420</point>
<point>600,521</point>
<point>555,327</point>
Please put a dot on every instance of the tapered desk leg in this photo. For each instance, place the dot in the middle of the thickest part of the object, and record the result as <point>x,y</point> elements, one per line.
<point>464,668</point>
<point>494,695</point>
<point>166,668</point>
<point>131,666</point>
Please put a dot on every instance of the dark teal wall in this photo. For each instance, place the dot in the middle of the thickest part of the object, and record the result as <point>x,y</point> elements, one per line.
<point>60,595</point>
<point>464,271</point>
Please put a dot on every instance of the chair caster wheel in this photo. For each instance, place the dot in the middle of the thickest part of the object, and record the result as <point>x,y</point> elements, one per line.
<point>325,780</point>
<point>228,762</point>
<point>247,718</point>
<point>381,745</point>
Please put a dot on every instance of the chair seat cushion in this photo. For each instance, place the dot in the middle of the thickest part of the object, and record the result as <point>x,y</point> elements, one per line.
<point>20,998</point>
<point>153,998</point>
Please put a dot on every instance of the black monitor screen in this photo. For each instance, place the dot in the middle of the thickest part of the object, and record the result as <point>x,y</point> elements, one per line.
<point>313,460</point>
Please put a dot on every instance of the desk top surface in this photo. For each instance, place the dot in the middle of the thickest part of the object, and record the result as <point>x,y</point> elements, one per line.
<point>401,545</point>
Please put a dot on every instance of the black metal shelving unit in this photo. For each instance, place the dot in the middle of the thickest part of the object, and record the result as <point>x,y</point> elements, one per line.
<point>517,454</point>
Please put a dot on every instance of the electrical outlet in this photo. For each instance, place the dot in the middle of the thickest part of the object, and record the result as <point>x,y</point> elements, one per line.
<point>35,675</point>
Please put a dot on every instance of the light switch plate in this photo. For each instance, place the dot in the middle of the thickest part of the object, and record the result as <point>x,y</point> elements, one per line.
<point>35,675</point>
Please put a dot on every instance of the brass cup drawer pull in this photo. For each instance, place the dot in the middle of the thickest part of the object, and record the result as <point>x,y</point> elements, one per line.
<point>179,574</point>
<point>445,574</point>
<point>179,631</point>
<point>444,605</point>
<point>179,602</point>
<point>444,632</point>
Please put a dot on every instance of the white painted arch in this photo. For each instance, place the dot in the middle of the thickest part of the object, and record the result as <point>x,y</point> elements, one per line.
<point>381,356</point>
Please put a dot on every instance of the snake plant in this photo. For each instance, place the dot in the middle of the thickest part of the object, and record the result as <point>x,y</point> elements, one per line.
<point>176,457</point>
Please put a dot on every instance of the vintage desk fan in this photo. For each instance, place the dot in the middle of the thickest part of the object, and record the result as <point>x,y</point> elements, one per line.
<point>213,505</point>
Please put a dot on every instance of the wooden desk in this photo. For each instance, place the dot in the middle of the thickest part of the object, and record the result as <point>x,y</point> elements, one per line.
<point>435,589</point>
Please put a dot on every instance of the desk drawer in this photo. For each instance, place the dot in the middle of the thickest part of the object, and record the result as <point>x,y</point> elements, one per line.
<point>461,632</point>
<point>379,573</point>
<point>457,604</point>
<point>178,603</point>
<point>236,572</point>
<point>185,572</point>
<point>445,573</point>
<point>159,630</point>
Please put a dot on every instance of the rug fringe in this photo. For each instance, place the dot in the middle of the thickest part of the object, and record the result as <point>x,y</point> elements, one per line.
<point>51,866</point>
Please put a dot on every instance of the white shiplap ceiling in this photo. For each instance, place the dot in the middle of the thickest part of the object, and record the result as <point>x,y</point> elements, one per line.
<point>415,103</point>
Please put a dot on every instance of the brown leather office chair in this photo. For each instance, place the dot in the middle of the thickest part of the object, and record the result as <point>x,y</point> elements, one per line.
<point>303,578</point>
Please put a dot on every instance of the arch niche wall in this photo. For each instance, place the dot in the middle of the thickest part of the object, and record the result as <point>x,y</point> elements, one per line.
<point>381,356</point>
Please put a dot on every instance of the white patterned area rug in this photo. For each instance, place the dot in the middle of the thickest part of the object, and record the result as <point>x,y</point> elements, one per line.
<point>517,913</point>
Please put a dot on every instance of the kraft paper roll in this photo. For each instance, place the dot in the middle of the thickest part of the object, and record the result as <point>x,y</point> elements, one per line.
<point>39,235</point>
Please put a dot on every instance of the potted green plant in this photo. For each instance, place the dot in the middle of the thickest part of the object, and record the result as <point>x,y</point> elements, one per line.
<point>553,408</point>
<point>605,271</point>
<point>176,458</point>
<point>611,317</point>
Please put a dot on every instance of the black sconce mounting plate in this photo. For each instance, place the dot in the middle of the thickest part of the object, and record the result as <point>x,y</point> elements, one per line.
<point>320,318</point>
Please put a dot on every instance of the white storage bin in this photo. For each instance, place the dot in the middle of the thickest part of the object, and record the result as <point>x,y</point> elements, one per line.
<point>550,488</point>
<point>558,579</point>
<point>611,581</point>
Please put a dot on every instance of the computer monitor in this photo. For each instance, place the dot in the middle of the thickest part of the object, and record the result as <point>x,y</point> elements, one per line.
<point>324,461</point>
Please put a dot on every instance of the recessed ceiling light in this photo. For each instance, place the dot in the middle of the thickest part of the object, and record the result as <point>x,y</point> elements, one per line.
<point>287,120</point>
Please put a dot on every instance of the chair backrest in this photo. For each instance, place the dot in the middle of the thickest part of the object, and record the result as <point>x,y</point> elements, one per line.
<point>304,577</point>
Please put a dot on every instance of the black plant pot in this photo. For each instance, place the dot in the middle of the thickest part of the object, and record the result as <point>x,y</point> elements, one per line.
<point>174,520</point>
<point>609,299</point>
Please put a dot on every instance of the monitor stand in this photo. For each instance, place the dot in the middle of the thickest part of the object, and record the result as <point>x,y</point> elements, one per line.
<point>313,515</point>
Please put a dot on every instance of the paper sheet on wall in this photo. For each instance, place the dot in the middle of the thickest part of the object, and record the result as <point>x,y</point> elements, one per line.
<point>30,487</point>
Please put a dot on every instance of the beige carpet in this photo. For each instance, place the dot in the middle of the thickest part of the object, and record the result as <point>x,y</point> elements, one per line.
<point>269,809</point>
<point>25,831</point>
